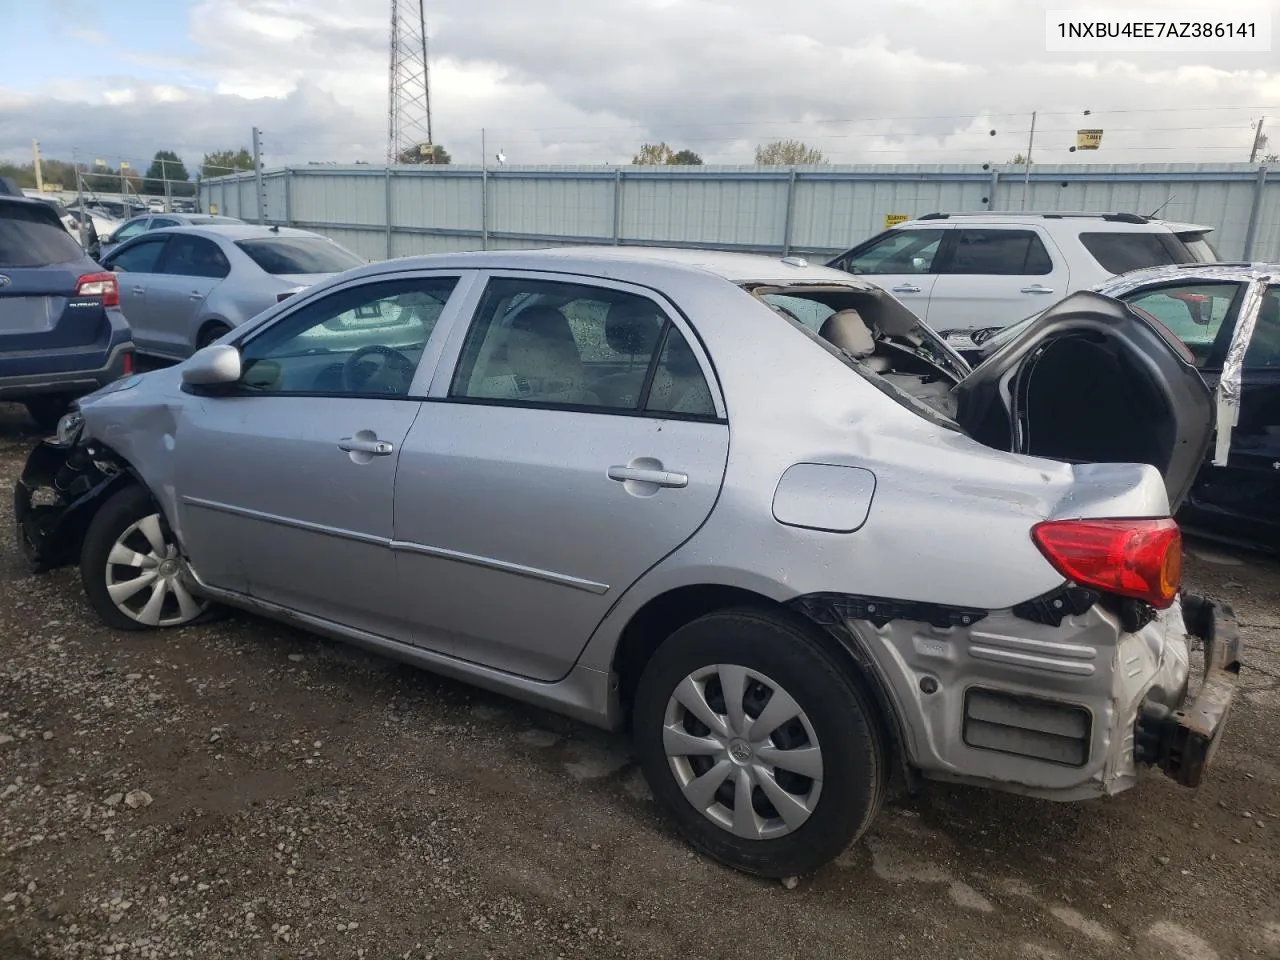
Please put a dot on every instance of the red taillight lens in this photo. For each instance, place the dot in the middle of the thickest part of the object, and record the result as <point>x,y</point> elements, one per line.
<point>1132,558</point>
<point>126,365</point>
<point>102,285</point>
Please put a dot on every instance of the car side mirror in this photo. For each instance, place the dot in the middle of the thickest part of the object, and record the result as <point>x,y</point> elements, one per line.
<point>218,363</point>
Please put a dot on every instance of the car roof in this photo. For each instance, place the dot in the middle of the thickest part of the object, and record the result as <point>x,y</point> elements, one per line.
<point>729,265</point>
<point>1118,220</point>
<point>233,230</point>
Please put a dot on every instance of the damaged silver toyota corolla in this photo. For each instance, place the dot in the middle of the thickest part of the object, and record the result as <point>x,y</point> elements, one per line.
<point>748,508</point>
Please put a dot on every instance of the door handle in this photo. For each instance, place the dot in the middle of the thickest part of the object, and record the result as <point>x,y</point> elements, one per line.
<point>661,478</point>
<point>378,448</point>
<point>1037,288</point>
<point>196,295</point>
<point>140,290</point>
<point>907,288</point>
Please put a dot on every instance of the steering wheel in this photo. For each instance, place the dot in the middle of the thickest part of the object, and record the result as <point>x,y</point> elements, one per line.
<point>354,382</point>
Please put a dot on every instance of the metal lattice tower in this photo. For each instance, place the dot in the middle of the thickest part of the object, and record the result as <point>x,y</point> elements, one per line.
<point>409,109</point>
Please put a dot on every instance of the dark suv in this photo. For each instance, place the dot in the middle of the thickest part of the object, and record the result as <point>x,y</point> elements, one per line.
<point>61,330</point>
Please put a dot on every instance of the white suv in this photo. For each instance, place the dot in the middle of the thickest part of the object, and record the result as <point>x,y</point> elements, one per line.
<point>964,271</point>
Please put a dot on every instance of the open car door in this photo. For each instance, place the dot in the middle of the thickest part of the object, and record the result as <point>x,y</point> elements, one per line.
<point>1094,380</point>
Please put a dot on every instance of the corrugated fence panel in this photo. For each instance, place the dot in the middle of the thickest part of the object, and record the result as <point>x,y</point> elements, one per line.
<point>738,212</point>
<point>831,208</point>
<point>435,201</point>
<point>563,207</point>
<point>326,198</point>
<point>370,244</point>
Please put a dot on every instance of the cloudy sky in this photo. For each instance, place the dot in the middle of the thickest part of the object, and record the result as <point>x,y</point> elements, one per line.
<point>587,81</point>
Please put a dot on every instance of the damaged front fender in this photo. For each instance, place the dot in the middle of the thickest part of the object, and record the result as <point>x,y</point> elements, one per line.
<point>61,488</point>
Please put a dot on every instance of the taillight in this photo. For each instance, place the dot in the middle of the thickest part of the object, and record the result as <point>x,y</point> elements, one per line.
<point>126,364</point>
<point>1132,558</point>
<point>102,285</point>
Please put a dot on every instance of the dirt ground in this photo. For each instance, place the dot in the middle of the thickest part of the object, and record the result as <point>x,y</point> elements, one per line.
<point>247,790</point>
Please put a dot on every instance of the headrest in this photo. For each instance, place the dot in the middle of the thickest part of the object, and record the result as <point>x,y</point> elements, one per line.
<point>847,330</point>
<point>632,327</point>
<point>547,322</point>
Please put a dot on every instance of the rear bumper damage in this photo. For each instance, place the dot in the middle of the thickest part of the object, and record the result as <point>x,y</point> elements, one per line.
<point>1182,740</point>
<point>1069,709</point>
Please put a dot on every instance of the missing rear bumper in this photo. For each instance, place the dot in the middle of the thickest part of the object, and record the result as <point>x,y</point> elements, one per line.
<point>1182,740</point>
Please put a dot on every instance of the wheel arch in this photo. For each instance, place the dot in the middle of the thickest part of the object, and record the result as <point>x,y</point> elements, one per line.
<point>650,626</point>
<point>206,325</point>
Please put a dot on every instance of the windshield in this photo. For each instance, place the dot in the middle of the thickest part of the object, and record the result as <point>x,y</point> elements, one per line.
<point>33,237</point>
<point>285,255</point>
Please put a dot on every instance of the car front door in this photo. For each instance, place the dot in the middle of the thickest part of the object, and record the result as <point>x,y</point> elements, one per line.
<point>285,479</point>
<point>995,276</point>
<point>137,267</point>
<point>902,260</point>
<point>573,439</point>
<point>189,270</point>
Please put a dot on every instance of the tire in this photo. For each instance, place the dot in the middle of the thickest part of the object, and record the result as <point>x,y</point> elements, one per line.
<point>211,333</point>
<point>776,653</point>
<point>131,523</point>
<point>46,410</point>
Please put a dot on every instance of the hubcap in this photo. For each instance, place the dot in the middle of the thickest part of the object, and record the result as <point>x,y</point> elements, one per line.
<point>144,577</point>
<point>743,752</point>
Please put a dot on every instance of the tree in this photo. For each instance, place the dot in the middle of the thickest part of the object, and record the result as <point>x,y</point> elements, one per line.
<point>425,153</point>
<point>789,153</point>
<point>166,165</point>
<point>653,155</point>
<point>1018,160</point>
<point>660,155</point>
<point>221,163</point>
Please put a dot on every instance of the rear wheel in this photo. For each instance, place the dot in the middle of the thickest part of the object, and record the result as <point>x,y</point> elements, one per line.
<point>758,743</point>
<point>211,333</point>
<point>47,410</point>
<point>131,569</point>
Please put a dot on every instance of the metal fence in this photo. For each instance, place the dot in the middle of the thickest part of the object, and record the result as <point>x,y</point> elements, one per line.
<point>384,212</point>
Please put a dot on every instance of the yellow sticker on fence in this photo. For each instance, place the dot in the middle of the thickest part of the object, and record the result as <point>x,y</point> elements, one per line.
<point>893,219</point>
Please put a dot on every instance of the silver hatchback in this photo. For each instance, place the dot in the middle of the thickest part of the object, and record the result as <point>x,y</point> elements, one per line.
<point>751,509</point>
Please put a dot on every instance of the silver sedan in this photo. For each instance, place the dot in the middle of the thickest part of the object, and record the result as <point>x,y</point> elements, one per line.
<point>750,509</point>
<point>184,287</point>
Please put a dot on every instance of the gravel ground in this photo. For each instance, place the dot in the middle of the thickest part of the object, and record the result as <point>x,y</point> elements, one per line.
<point>246,790</point>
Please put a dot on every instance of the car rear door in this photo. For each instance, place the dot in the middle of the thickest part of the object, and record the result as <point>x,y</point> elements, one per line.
<point>903,261</point>
<point>574,437</point>
<point>995,276</point>
<point>185,276</point>
<point>136,265</point>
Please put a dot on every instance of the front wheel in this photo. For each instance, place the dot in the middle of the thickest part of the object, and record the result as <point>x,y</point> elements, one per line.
<point>758,743</point>
<point>131,569</point>
<point>46,410</point>
<point>211,333</point>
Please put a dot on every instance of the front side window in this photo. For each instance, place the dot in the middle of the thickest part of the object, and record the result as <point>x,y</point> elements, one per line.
<point>1194,312</point>
<point>362,341</point>
<point>898,251</point>
<point>998,253</point>
<point>550,343</point>
<point>1264,346</point>
<point>194,257</point>
<point>141,257</point>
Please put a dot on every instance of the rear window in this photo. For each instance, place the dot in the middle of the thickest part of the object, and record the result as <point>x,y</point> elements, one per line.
<point>1122,252</point>
<point>34,237</point>
<point>299,255</point>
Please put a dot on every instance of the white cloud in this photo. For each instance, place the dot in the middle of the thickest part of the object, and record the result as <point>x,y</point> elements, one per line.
<point>588,80</point>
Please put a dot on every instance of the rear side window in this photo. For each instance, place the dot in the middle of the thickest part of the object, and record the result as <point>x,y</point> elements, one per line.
<point>34,237</point>
<point>1122,252</point>
<point>299,255</point>
<point>194,257</point>
<point>998,253</point>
